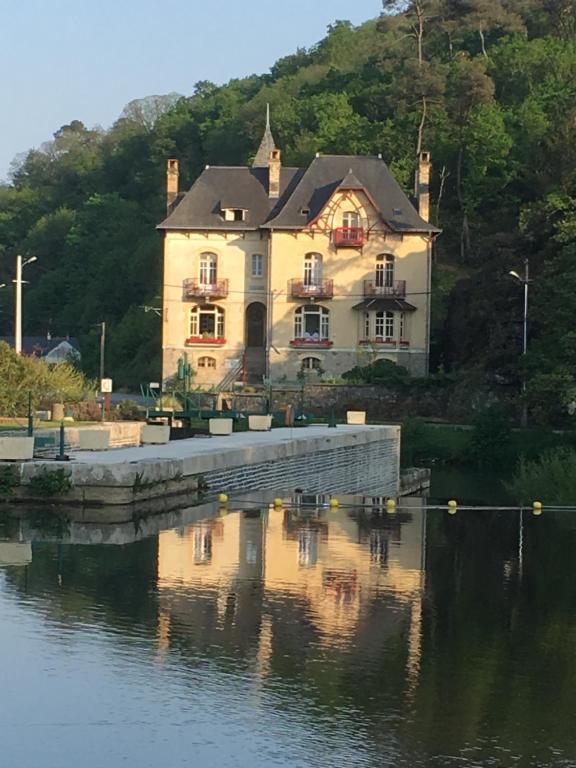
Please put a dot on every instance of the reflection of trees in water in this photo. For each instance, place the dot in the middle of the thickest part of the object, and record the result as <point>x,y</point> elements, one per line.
<point>497,653</point>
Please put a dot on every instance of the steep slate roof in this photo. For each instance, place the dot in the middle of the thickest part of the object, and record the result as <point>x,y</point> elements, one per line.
<point>327,173</point>
<point>230,187</point>
<point>266,145</point>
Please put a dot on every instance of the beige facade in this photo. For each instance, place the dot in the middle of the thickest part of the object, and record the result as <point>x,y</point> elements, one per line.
<point>246,299</point>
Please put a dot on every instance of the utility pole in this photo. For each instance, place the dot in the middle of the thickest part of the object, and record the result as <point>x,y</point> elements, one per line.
<point>18,319</point>
<point>105,397</point>
<point>525,281</point>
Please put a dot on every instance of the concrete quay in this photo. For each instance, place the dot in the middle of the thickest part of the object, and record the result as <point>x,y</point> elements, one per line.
<point>127,483</point>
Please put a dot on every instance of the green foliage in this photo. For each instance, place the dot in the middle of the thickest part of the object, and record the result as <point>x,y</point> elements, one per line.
<point>21,375</point>
<point>48,482</point>
<point>379,372</point>
<point>491,441</point>
<point>550,479</point>
<point>128,410</point>
<point>9,479</point>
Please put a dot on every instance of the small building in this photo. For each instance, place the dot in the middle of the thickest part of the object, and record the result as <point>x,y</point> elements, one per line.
<point>271,270</point>
<point>52,349</point>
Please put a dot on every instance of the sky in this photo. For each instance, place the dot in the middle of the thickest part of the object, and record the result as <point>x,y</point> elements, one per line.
<point>62,60</point>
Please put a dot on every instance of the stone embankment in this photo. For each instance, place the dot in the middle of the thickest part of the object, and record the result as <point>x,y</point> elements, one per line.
<point>125,483</point>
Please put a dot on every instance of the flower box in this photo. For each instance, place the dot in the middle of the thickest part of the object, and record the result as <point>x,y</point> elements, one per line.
<point>204,340</point>
<point>311,343</point>
<point>378,342</point>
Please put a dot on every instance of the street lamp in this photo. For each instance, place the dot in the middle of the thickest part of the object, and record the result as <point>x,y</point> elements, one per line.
<point>525,282</point>
<point>18,331</point>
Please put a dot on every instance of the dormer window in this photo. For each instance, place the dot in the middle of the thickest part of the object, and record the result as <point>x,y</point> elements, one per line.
<point>235,214</point>
<point>305,211</point>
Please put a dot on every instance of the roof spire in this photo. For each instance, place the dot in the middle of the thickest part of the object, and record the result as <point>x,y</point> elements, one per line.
<point>267,144</point>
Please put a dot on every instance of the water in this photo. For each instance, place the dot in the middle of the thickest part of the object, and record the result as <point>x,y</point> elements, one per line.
<point>305,638</point>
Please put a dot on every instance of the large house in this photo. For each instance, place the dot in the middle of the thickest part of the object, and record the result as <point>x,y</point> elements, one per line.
<point>270,271</point>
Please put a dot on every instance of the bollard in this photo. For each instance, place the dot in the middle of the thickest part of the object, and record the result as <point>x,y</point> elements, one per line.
<point>62,456</point>
<point>452,507</point>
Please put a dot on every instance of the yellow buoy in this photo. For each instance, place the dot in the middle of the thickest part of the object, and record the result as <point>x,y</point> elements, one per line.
<point>452,507</point>
<point>537,508</point>
<point>391,506</point>
<point>222,498</point>
<point>334,503</point>
<point>278,503</point>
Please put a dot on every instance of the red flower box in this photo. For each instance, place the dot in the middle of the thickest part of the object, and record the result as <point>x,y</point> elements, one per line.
<point>204,340</point>
<point>379,342</point>
<point>311,343</point>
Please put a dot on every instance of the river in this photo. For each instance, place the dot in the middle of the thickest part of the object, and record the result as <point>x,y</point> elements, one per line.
<point>300,636</point>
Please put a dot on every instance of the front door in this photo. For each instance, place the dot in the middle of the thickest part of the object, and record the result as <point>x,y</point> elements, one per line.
<point>255,325</point>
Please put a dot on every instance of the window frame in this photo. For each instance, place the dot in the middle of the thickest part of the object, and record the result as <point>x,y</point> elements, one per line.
<point>257,259</point>
<point>208,268</point>
<point>197,312</point>
<point>309,310</point>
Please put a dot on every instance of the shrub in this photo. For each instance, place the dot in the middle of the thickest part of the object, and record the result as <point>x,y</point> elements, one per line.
<point>550,479</point>
<point>88,410</point>
<point>128,410</point>
<point>379,372</point>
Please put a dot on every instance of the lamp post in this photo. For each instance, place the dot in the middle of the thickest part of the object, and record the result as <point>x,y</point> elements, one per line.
<point>18,325</point>
<point>525,282</point>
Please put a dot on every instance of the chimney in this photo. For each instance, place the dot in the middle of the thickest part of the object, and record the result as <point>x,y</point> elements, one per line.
<point>171,184</point>
<point>423,185</point>
<point>274,166</point>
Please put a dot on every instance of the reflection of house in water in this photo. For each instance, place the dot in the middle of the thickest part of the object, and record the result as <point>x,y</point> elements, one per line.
<point>318,578</point>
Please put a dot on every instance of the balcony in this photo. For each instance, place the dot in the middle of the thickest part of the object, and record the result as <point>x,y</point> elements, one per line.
<point>379,341</point>
<point>315,289</point>
<point>195,289</point>
<point>349,237</point>
<point>311,343</point>
<point>210,340</point>
<point>397,289</point>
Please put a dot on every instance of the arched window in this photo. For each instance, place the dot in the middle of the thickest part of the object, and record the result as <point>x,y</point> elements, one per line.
<point>207,321</point>
<point>385,270</point>
<point>208,268</point>
<point>312,323</point>
<point>206,362</point>
<point>311,364</point>
<point>312,269</point>
<point>351,219</point>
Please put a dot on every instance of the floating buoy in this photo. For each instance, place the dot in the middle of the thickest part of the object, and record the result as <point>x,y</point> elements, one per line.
<point>334,503</point>
<point>222,498</point>
<point>391,506</point>
<point>452,507</point>
<point>278,503</point>
<point>537,508</point>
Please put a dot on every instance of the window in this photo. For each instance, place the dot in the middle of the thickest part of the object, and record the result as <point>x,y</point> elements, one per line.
<point>380,326</point>
<point>402,325</point>
<point>311,364</point>
<point>206,362</point>
<point>208,268</point>
<point>385,271</point>
<point>208,321</point>
<point>234,214</point>
<point>257,265</point>
<point>350,219</point>
<point>312,269</point>
<point>384,326</point>
<point>311,322</point>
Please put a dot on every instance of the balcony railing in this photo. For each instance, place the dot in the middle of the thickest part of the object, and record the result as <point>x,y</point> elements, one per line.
<point>204,340</point>
<point>317,289</point>
<point>382,342</point>
<point>397,288</point>
<point>348,237</point>
<point>194,289</point>
<point>307,343</point>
